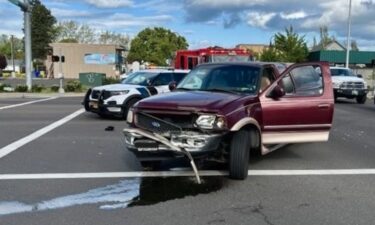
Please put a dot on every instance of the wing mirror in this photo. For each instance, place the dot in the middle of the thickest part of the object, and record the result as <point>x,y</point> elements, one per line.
<point>172,85</point>
<point>359,76</point>
<point>277,92</point>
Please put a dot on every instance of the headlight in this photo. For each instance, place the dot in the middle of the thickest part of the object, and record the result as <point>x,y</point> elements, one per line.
<point>130,116</point>
<point>336,84</point>
<point>211,122</point>
<point>113,93</point>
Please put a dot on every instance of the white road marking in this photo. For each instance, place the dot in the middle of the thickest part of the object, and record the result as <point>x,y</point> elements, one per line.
<point>27,103</point>
<point>203,173</point>
<point>21,142</point>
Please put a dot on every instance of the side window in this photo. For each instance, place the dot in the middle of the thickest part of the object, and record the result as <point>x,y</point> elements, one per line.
<point>268,77</point>
<point>307,80</point>
<point>287,84</point>
<point>163,79</point>
<point>303,81</point>
<point>178,77</point>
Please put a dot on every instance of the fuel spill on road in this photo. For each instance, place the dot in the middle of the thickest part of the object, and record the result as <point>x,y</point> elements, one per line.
<point>124,194</point>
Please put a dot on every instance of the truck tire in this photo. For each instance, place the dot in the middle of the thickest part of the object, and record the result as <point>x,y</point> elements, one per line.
<point>361,99</point>
<point>127,106</point>
<point>86,100</point>
<point>239,155</point>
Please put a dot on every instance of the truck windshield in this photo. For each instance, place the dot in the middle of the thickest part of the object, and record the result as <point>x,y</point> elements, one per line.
<point>139,78</point>
<point>223,78</point>
<point>342,72</point>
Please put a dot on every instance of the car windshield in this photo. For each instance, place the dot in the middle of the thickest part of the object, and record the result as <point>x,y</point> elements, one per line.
<point>342,72</point>
<point>224,78</point>
<point>139,78</point>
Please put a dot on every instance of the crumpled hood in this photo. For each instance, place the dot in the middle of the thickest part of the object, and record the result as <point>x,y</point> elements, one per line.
<point>189,101</point>
<point>346,79</point>
<point>116,87</point>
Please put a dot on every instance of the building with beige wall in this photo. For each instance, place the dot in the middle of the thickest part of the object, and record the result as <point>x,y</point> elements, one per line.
<point>256,49</point>
<point>85,58</point>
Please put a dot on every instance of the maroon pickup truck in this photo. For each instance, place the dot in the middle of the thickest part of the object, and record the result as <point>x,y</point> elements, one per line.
<point>225,111</point>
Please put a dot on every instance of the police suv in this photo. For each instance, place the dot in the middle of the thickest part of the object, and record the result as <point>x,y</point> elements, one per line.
<point>116,99</point>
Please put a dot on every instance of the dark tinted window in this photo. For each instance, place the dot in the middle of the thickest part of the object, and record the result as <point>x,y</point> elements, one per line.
<point>307,80</point>
<point>163,79</point>
<point>341,72</point>
<point>178,77</point>
<point>287,85</point>
<point>227,78</point>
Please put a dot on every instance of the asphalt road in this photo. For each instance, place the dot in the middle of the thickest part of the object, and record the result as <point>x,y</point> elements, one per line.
<point>82,145</point>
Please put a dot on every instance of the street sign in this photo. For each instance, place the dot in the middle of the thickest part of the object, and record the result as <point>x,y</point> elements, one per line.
<point>24,6</point>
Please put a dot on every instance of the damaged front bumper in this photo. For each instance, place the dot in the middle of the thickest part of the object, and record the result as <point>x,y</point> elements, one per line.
<point>186,143</point>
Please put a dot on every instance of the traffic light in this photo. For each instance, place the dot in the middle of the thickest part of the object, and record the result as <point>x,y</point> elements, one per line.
<point>55,58</point>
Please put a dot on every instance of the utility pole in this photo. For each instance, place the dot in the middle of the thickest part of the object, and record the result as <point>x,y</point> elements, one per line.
<point>348,38</point>
<point>26,9</point>
<point>12,55</point>
<point>61,75</point>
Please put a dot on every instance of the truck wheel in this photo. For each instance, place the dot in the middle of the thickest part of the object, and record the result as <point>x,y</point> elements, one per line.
<point>361,99</point>
<point>86,100</point>
<point>127,106</point>
<point>239,155</point>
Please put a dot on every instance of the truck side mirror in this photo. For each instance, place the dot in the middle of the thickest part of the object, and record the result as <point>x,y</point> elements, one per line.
<point>359,76</point>
<point>277,92</point>
<point>172,85</point>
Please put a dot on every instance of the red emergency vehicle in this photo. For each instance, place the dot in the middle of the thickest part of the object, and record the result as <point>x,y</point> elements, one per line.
<point>188,59</point>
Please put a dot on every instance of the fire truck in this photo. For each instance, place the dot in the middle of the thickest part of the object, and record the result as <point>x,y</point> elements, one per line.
<point>188,59</point>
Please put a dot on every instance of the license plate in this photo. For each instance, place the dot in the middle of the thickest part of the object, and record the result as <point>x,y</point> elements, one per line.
<point>93,105</point>
<point>354,92</point>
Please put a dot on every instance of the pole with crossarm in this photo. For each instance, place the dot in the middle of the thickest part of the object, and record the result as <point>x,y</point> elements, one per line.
<point>26,9</point>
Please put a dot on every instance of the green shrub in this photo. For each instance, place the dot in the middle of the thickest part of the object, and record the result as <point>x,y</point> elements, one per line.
<point>37,88</point>
<point>21,88</point>
<point>111,80</point>
<point>55,88</point>
<point>2,86</point>
<point>73,86</point>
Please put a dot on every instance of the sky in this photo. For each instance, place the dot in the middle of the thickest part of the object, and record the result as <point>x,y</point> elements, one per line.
<point>206,23</point>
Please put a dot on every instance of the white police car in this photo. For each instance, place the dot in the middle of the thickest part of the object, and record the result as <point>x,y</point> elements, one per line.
<point>116,99</point>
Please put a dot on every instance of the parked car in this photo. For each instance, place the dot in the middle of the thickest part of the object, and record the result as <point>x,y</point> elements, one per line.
<point>346,84</point>
<point>223,111</point>
<point>116,99</point>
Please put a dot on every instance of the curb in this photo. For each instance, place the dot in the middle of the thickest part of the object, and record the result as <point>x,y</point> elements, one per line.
<point>40,95</point>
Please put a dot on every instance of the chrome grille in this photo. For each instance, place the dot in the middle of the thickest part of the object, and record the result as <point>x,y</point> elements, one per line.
<point>154,124</point>
<point>103,95</point>
<point>353,85</point>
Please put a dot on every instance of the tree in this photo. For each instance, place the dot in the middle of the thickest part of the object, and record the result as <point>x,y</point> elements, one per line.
<point>290,46</point>
<point>43,31</point>
<point>3,64</point>
<point>155,45</point>
<point>270,54</point>
<point>354,45</point>
<point>6,49</point>
<point>325,39</point>
<point>72,32</point>
<point>108,37</point>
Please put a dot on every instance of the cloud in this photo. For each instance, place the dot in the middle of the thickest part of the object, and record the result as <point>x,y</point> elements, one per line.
<point>293,15</point>
<point>110,3</point>
<point>259,19</point>
<point>121,21</point>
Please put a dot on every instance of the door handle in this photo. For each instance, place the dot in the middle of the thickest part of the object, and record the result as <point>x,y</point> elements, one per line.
<point>323,106</point>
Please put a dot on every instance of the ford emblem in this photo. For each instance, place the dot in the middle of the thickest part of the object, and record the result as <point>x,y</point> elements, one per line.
<point>155,124</point>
